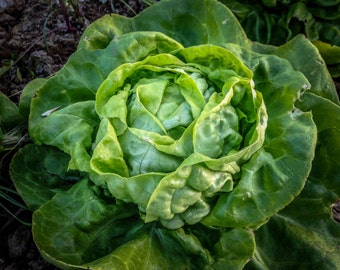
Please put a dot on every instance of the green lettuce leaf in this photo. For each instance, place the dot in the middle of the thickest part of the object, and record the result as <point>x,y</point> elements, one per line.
<point>91,225</point>
<point>28,93</point>
<point>306,225</point>
<point>39,172</point>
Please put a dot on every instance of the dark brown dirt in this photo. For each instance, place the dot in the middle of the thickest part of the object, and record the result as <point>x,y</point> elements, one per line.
<point>36,37</point>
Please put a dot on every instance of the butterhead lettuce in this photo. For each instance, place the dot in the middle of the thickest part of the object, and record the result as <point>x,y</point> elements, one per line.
<point>169,140</point>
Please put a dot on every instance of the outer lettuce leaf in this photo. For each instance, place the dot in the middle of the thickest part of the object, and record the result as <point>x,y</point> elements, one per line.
<point>90,227</point>
<point>306,59</point>
<point>310,63</point>
<point>215,24</point>
<point>300,245</point>
<point>40,172</point>
<point>306,225</point>
<point>28,93</point>
<point>326,169</point>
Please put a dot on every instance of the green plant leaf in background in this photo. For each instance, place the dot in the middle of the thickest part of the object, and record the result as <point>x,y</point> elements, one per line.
<point>9,113</point>
<point>164,145</point>
<point>331,54</point>
<point>11,124</point>
<point>276,22</point>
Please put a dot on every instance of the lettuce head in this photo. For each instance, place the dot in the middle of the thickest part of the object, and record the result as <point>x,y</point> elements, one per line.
<point>171,141</point>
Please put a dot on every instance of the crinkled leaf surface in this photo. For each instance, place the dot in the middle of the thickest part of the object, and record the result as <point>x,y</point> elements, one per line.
<point>92,226</point>
<point>74,136</point>
<point>265,176</point>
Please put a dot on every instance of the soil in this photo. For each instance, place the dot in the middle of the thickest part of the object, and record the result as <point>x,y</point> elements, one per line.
<point>36,39</point>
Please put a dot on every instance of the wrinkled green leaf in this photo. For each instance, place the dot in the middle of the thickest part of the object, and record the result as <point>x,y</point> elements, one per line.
<point>264,165</point>
<point>92,226</point>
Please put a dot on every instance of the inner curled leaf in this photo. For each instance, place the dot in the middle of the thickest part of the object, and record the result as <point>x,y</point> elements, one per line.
<point>173,116</point>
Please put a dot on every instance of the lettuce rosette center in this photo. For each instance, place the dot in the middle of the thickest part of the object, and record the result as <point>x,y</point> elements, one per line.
<point>174,130</point>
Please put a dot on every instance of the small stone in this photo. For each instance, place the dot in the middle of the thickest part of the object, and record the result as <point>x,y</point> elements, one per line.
<point>18,242</point>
